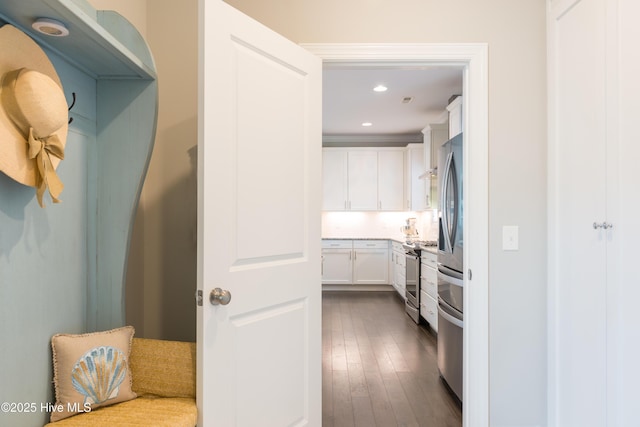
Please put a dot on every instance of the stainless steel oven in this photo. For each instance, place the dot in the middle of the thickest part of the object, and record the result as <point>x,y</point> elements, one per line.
<point>412,289</point>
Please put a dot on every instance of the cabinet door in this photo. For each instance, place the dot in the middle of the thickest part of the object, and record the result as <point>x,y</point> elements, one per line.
<point>370,266</point>
<point>363,180</point>
<point>455,117</point>
<point>391,180</point>
<point>334,180</point>
<point>434,136</point>
<point>429,310</point>
<point>337,266</point>
<point>414,186</point>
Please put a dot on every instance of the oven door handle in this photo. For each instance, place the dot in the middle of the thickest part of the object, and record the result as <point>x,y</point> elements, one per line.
<point>449,279</point>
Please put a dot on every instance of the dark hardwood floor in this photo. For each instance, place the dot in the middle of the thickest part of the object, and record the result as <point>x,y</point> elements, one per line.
<point>378,367</point>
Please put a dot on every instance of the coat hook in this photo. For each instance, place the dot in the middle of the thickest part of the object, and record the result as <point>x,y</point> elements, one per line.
<point>73,102</point>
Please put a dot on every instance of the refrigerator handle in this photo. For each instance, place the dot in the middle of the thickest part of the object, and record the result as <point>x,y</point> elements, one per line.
<point>454,181</point>
<point>445,202</point>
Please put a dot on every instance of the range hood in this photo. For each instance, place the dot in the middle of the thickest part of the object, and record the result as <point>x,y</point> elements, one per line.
<point>431,173</point>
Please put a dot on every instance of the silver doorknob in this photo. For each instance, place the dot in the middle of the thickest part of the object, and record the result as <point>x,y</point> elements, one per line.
<point>219,297</point>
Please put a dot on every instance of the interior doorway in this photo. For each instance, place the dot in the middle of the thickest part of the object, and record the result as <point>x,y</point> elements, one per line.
<point>473,59</point>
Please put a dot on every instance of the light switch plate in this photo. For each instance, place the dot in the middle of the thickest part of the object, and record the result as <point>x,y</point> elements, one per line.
<point>509,237</point>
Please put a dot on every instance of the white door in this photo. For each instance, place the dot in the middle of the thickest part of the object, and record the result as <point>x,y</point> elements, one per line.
<point>579,159</point>
<point>259,151</point>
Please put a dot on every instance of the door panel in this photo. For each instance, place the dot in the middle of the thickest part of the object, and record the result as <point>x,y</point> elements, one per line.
<point>259,172</point>
<point>580,295</point>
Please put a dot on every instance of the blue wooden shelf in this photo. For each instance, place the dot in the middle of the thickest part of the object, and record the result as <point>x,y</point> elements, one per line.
<point>99,43</point>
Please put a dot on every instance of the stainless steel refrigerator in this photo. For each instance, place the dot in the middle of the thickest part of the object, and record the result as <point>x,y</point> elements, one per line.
<point>450,263</point>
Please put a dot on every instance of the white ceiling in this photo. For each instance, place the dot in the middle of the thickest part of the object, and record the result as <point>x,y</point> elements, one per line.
<point>349,100</point>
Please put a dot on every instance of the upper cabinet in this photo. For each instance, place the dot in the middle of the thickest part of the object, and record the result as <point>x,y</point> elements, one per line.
<point>435,135</point>
<point>362,172</point>
<point>455,116</point>
<point>414,184</point>
<point>334,180</point>
<point>391,180</point>
<point>369,179</point>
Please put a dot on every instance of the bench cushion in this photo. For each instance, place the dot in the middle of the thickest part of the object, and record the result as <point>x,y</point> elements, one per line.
<point>143,412</point>
<point>163,368</point>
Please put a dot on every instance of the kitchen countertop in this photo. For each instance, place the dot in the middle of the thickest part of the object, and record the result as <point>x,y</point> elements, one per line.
<point>431,249</point>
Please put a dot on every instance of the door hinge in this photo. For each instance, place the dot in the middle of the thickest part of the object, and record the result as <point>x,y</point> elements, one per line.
<point>199,298</point>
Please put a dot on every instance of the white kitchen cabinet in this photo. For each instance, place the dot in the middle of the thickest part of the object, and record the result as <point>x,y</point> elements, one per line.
<point>334,180</point>
<point>391,180</point>
<point>399,268</point>
<point>337,263</point>
<point>455,116</point>
<point>355,262</point>
<point>415,186</point>
<point>370,262</point>
<point>429,288</point>
<point>429,310</point>
<point>435,135</point>
<point>593,221</point>
<point>350,180</point>
<point>363,180</point>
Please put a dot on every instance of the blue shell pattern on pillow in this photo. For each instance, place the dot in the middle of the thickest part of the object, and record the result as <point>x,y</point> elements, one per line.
<point>98,374</point>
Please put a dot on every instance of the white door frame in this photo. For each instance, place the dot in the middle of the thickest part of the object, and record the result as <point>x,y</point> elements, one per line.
<point>473,58</point>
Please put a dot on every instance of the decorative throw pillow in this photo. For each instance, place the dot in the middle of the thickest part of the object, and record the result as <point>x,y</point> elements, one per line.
<point>91,370</point>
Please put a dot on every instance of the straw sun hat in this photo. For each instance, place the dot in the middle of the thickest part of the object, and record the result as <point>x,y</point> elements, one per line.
<point>33,114</point>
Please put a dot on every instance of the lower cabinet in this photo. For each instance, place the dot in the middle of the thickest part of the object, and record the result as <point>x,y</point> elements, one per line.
<point>355,262</point>
<point>337,266</point>
<point>370,262</point>
<point>429,289</point>
<point>398,262</point>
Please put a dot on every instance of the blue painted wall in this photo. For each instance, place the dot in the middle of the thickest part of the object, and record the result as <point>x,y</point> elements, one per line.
<point>44,259</point>
<point>62,268</point>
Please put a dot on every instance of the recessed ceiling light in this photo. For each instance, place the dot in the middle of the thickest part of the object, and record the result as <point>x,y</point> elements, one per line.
<point>50,27</point>
<point>367,124</point>
<point>380,88</point>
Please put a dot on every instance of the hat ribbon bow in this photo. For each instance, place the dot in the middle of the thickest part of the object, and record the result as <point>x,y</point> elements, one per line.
<point>41,149</point>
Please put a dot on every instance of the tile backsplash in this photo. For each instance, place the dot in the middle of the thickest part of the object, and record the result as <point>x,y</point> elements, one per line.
<point>378,224</point>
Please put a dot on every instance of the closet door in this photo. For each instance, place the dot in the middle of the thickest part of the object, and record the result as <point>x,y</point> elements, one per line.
<point>578,158</point>
<point>622,253</point>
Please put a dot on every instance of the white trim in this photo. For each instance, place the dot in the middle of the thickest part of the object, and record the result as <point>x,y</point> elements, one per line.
<point>373,139</point>
<point>473,59</point>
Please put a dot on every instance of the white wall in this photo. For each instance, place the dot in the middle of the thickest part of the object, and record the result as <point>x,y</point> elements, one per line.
<point>384,225</point>
<point>515,32</point>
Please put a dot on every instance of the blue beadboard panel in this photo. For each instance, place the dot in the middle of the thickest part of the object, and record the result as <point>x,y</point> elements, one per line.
<point>125,115</point>
<point>43,268</point>
<point>62,269</point>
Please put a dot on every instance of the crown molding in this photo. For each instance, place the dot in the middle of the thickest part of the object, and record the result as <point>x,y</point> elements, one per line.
<point>371,140</point>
